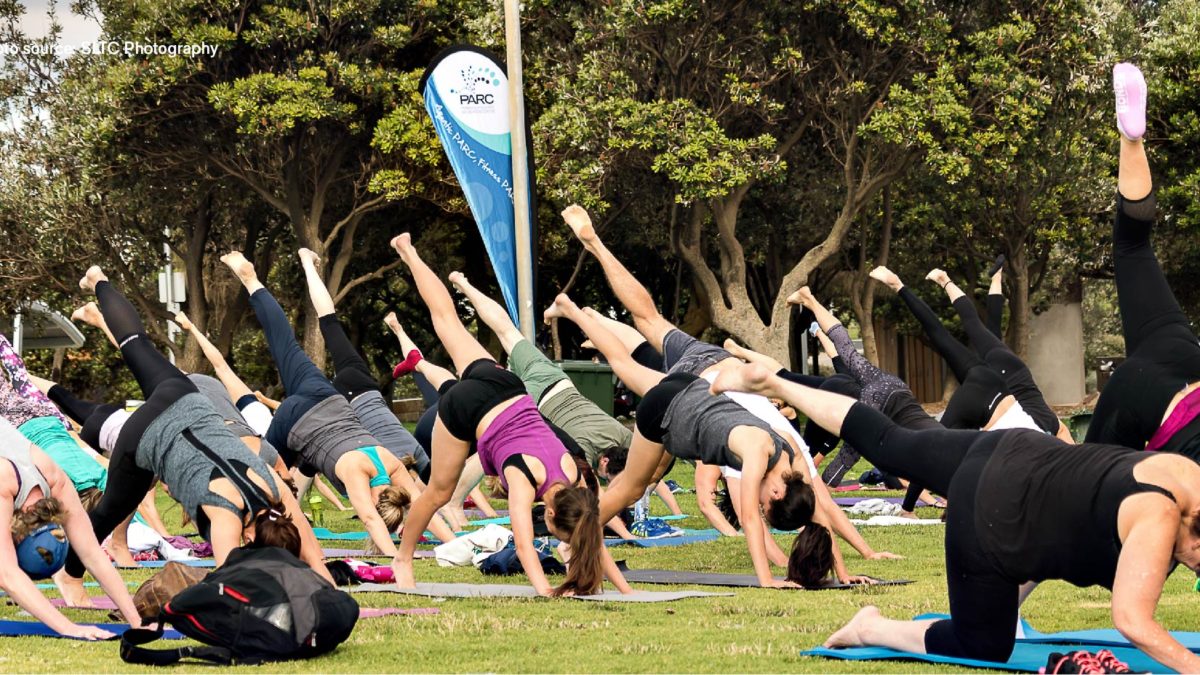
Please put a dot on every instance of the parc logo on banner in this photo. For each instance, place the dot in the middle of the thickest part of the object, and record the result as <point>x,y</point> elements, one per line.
<point>466,96</point>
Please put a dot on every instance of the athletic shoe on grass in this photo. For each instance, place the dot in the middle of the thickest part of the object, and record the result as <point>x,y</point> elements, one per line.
<point>654,528</point>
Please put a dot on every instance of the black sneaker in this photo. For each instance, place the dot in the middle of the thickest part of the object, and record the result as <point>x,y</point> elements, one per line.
<point>1073,662</point>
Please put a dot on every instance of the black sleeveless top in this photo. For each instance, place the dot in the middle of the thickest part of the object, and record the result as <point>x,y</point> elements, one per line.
<point>1048,510</point>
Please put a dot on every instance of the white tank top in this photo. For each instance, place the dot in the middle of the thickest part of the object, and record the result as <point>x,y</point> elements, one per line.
<point>15,448</point>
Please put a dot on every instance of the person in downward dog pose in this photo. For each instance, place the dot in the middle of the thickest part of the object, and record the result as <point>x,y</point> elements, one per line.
<point>677,418</point>
<point>1127,519</point>
<point>489,407</point>
<point>556,396</point>
<point>178,437</point>
<point>41,511</point>
<point>353,377</point>
<point>318,429</point>
<point>1152,401</point>
<point>1002,359</point>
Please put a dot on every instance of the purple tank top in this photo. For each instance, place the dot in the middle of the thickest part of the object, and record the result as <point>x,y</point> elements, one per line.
<point>520,430</point>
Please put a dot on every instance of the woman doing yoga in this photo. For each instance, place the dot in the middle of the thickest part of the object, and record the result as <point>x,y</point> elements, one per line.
<point>488,408</point>
<point>177,436</point>
<point>1126,520</point>
<point>316,427</point>
<point>1152,401</point>
<point>677,419</point>
<point>43,514</point>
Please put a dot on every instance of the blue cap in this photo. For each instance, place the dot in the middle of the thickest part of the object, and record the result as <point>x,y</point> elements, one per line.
<point>43,552</point>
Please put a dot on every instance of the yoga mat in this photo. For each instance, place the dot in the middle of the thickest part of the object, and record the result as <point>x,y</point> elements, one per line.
<point>851,501</point>
<point>1100,638</point>
<point>730,580</point>
<point>419,554</point>
<point>324,533</point>
<point>688,538</point>
<point>429,590</point>
<point>476,513</point>
<point>49,585</point>
<point>506,520</point>
<point>894,521</point>
<point>1026,657</point>
<point>105,603</point>
<point>37,628</point>
<point>682,516</point>
<point>195,562</point>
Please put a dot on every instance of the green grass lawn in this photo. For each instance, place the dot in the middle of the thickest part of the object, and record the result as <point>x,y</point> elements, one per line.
<point>756,630</point>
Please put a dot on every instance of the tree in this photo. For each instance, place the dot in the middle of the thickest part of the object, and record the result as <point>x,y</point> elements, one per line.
<point>722,99</point>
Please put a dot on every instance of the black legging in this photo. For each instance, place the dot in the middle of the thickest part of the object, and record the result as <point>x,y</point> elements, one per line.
<point>1002,359</point>
<point>995,314</point>
<point>352,376</point>
<point>88,415</point>
<point>980,389</point>
<point>983,605</point>
<point>128,483</point>
<point>304,384</point>
<point>1163,355</point>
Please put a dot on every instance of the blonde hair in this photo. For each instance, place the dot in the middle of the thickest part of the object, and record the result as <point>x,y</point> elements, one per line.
<point>47,510</point>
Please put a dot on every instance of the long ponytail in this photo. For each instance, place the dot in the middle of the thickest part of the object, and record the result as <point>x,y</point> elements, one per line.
<point>577,510</point>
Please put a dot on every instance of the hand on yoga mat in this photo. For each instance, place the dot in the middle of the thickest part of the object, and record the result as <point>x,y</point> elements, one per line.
<point>779,583</point>
<point>860,579</point>
<point>89,633</point>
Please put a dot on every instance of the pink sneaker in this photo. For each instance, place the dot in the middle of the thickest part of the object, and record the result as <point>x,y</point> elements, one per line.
<point>1130,89</point>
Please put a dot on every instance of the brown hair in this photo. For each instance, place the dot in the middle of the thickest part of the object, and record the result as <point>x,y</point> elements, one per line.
<point>811,559</point>
<point>90,498</point>
<point>392,505</point>
<point>272,527</point>
<point>45,510</point>
<point>577,510</point>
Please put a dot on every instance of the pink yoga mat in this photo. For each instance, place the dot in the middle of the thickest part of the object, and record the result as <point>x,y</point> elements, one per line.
<point>103,602</point>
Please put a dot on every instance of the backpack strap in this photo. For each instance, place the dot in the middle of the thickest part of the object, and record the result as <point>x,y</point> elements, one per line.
<point>132,652</point>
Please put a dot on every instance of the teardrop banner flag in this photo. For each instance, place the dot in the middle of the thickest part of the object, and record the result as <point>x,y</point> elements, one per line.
<point>466,96</point>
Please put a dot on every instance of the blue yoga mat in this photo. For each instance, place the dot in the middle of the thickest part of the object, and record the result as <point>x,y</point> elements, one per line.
<point>37,628</point>
<point>689,538</point>
<point>1026,657</point>
<point>324,533</point>
<point>197,562</point>
<point>1094,638</point>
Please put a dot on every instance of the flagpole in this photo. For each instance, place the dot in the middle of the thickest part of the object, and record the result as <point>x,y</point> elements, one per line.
<point>520,168</point>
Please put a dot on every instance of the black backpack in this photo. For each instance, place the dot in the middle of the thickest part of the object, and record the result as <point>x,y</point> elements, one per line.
<point>262,605</point>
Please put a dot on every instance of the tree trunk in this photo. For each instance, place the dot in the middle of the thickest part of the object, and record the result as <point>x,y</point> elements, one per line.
<point>1018,302</point>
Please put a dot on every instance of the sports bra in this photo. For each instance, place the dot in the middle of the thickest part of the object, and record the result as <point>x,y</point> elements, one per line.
<point>381,477</point>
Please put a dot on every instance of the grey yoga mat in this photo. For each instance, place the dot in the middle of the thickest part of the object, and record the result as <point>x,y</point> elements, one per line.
<point>430,590</point>
<point>728,580</point>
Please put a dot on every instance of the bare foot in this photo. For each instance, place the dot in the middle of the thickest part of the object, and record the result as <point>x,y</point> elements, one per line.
<point>89,314</point>
<point>244,269</point>
<point>938,276</point>
<point>183,321</point>
<point>581,224</point>
<point>886,277</point>
<point>93,276</point>
<point>459,281</point>
<point>392,322</point>
<point>403,245</point>
<point>733,347</point>
<point>308,256</point>
<point>802,297</point>
<point>587,344</point>
<point>851,635</point>
<point>751,378</point>
<point>557,309</point>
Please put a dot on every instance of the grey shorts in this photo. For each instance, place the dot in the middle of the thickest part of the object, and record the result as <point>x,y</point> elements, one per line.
<point>683,353</point>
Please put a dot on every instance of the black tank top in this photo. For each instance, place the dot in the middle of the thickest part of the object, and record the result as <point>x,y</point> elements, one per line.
<point>1048,510</point>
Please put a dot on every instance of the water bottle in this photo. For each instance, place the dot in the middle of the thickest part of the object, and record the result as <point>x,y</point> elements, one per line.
<point>316,507</point>
<point>641,508</point>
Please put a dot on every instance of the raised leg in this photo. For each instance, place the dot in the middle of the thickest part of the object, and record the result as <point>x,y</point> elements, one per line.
<point>490,312</point>
<point>625,286</point>
<point>464,349</point>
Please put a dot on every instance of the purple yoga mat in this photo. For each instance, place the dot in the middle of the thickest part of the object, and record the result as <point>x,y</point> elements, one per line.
<point>476,513</point>
<point>103,602</point>
<point>851,501</point>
